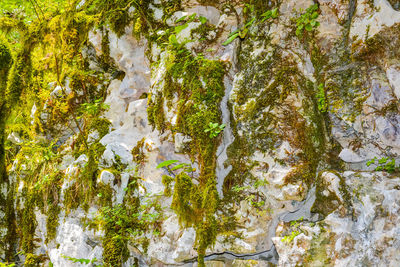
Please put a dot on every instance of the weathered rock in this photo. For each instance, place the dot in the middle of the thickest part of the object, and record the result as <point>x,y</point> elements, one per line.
<point>295,109</point>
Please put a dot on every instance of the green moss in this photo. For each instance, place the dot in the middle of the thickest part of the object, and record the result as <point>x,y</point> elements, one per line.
<point>20,77</point>
<point>202,32</point>
<point>105,194</point>
<point>155,113</point>
<point>326,204</point>
<point>167,181</point>
<point>6,200</point>
<point>28,224</point>
<point>52,220</point>
<point>102,126</point>
<point>184,201</point>
<point>33,260</point>
<point>198,84</point>
<point>5,59</point>
<point>114,248</point>
<point>10,241</point>
<point>138,152</point>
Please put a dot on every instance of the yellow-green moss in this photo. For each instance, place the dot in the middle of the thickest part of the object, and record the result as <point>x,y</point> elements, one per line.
<point>28,224</point>
<point>138,152</point>
<point>33,260</point>
<point>102,126</point>
<point>198,84</point>
<point>19,78</point>
<point>6,200</point>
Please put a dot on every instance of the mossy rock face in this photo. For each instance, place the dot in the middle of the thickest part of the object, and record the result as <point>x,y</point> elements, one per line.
<point>326,199</point>
<point>273,102</point>
<point>331,194</point>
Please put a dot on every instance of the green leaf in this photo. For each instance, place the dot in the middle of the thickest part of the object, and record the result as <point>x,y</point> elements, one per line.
<point>314,15</point>
<point>173,40</point>
<point>243,33</point>
<point>274,13</point>
<point>309,27</point>
<point>192,17</point>
<point>250,22</point>
<point>230,39</point>
<point>234,32</point>
<point>313,23</point>
<point>180,28</point>
<point>267,14</point>
<point>167,163</point>
<point>300,27</point>
<point>371,162</point>
<point>179,166</point>
<point>298,32</point>
<point>181,19</point>
<point>383,160</point>
<point>202,19</point>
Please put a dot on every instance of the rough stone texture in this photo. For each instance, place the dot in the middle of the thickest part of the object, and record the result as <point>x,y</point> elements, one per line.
<point>277,139</point>
<point>363,233</point>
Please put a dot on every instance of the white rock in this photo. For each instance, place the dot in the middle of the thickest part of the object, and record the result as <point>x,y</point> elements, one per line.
<point>106,177</point>
<point>96,38</point>
<point>14,138</point>
<point>157,13</point>
<point>372,20</point>
<point>180,142</point>
<point>73,242</point>
<point>349,155</point>
<point>393,74</point>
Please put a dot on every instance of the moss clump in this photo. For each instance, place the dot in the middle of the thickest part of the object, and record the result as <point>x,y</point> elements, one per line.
<point>198,84</point>
<point>83,192</point>
<point>138,152</point>
<point>324,204</point>
<point>114,249</point>
<point>5,60</point>
<point>20,77</point>
<point>155,112</point>
<point>52,223</point>
<point>28,223</point>
<point>117,14</point>
<point>167,181</point>
<point>101,125</point>
<point>33,260</point>
<point>127,223</point>
<point>105,194</point>
<point>51,194</point>
<point>6,200</point>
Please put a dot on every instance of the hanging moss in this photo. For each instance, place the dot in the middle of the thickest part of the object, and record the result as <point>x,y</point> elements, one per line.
<point>155,113</point>
<point>20,77</point>
<point>138,152</point>
<point>198,84</point>
<point>53,208</point>
<point>33,260</point>
<point>28,223</point>
<point>5,60</point>
<point>101,125</point>
<point>5,64</point>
